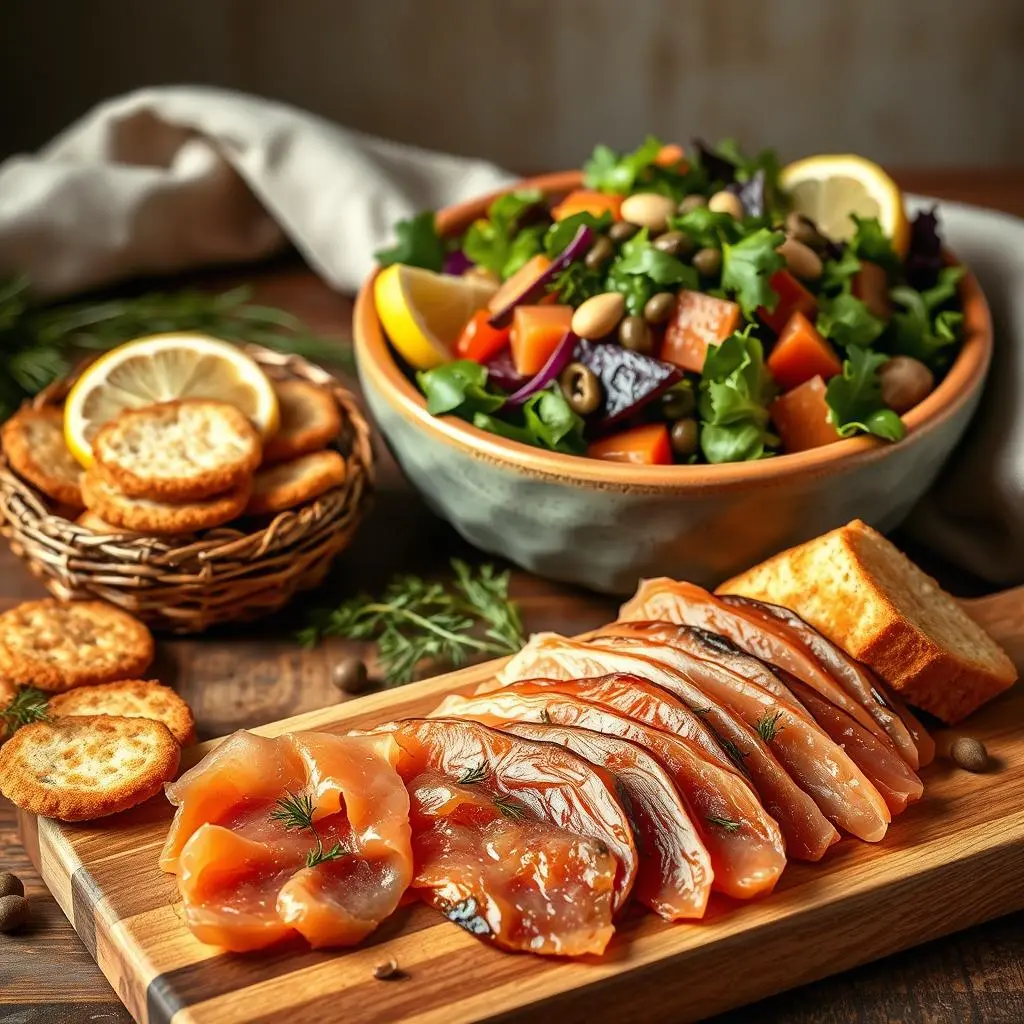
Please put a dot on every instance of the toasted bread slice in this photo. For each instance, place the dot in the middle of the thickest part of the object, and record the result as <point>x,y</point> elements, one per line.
<point>861,592</point>
<point>76,769</point>
<point>130,698</point>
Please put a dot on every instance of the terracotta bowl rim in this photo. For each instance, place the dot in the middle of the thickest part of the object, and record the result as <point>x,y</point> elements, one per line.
<point>377,363</point>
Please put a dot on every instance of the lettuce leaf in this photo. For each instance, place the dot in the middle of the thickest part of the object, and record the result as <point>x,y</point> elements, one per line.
<point>871,243</point>
<point>922,328</point>
<point>459,388</point>
<point>418,245</point>
<point>854,398</point>
<point>846,320</point>
<point>748,264</point>
<point>609,171</point>
<point>496,243</point>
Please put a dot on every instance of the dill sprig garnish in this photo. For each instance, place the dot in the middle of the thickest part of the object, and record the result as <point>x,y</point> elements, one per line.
<point>295,812</point>
<point>417,620</point>
<point>471,776</point>
<point>511,809</point>
<point>768,725</point>
<point>734,753</point>
<point>723,823</point>
<point>27,706</point>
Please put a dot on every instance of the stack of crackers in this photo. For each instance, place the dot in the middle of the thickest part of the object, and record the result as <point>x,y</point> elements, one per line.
<point>104,740</point>
<point>181,466</point>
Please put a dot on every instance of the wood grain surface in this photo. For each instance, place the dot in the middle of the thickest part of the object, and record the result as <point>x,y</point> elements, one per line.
<point>245,678</point>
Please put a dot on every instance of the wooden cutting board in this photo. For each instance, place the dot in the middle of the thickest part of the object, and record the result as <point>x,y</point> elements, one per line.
<point>954,859</point>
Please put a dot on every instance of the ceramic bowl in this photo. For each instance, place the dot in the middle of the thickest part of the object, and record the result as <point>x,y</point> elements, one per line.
<point>604,525</point>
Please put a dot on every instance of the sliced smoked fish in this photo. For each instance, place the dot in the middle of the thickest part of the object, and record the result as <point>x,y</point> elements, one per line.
<point>807,831</point>
<point>744,843</point>
<point>819,766</point>
<point>243,870</point>
<point>877,758</point>
<point>524,844</point>
<point>907,734</point>
<point>690,605</point>
<point>675,873</point>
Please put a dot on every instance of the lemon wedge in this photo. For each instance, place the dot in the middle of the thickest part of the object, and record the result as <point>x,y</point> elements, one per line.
<point>829,188</point>
<point>161,368</point>
<point>423,312</point>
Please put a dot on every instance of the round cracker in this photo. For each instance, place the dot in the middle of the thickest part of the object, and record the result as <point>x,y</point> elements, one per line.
<point>184,450</point>
<point>56,646</point>
<point>291,483</point>
<point>310,420</point>
<point>34,442</point>
<point>76,769</point>
<point>141,515</point>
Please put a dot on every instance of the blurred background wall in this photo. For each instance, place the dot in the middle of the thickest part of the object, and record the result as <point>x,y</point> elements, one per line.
<point>534,83</point>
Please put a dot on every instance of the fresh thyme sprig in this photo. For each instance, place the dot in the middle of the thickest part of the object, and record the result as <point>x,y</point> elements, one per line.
<point>417,620</point>
<point>37,341</point>
<point>295,812</point>
<point>28,705</point>
<point>768,725</point>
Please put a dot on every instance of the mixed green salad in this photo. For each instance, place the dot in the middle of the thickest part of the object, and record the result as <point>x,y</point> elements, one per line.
<point>697,306</point>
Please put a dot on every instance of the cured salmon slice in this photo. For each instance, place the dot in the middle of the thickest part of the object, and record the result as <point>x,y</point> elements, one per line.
<point>524,844</point>
<point>687,604</point>
<point>675,873</point>
<point>744,843</point>
<point>808,833</point>
<point>876,758</point>
<point>305,833</point>
<point>909,737</point>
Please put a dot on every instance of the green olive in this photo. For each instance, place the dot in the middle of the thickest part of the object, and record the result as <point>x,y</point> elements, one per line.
<point>691,203</point>
<point>679,401</point>
<point>600,253</point>
<point>635,335</point>
<point>708,262</point>
<point>658,307</point>
<point>581,388</point>
<point>622,231</point>
<point>675,243</point>
<point>685,436</point>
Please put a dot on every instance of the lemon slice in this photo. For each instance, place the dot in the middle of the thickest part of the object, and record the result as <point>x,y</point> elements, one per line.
<point>423,312</point>
<point>830,188</point>
<point>159,369</point>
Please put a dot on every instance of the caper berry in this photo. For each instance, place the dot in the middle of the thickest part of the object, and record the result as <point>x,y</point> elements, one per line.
<point>685,435</point>
<point>675,243</point>
<point>350,675</point>
<point>635,335</point>
<point>679,401</point>
<point>622,231</point>
<point>600,253</point>
<point>691,203</point>
<point>658,307</point>
<point>708,262</point>
<point>581,388</point>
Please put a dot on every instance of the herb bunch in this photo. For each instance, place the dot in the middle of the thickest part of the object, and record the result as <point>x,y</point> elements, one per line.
<point>417,620</point>
<point>27,706</point>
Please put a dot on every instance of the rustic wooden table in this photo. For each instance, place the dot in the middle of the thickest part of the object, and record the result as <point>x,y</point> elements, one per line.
<point>249,676</point>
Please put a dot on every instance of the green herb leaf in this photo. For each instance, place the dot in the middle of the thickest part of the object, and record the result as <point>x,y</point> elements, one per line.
<point>459,388</point>
<point>921,332</point>
<point>871,243</point>
<point>527,244</point>
<point>577,283</point>
<point>848,321</point>
<point>746,267</point>
<point>471,776</point>
<point>418,245</point>
<point>768,725</point>
<point>321,856</point>
<point>837,274</point>
<point>562,232</point>
<point>294,811</point>
<point>635,288</point>
<point>726,824</point>
<point>27,706</point>
<point>854,398</point>
<point>709,230</point>
<point>509,808</point>
<point>552,422</point>
<point>493,242</point>
<point>639,257</point>
<point>609,171</point>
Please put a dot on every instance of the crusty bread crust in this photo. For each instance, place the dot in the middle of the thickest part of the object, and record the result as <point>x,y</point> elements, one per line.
<point>56,645</point>
<point>292,483</point>
<point>861,592</point>
<point>310,420</point>
<point>129,698</point>
<point>34,442</point>
<point>76,769</point>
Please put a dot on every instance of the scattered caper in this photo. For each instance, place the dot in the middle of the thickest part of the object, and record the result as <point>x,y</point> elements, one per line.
<point>350,675</point>
<point>684,435</point>
<point>581,388</point>
<point>970,754</point>
<point>727,202</point>
<point>708,262</point>
<point>658,307</point>
<point>691,203</point>
<point>600,253</point>
<point>622,231</point>
<point>388,971</point>
<point>905,381</point>
<point>679,401</point>
<point>11,885</point>
<point>675,243</point>
<point>13,912</point>
<point>635,335</point>
<point>803,229</point>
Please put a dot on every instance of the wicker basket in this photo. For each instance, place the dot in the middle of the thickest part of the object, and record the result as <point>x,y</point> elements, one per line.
<point>187,584</point>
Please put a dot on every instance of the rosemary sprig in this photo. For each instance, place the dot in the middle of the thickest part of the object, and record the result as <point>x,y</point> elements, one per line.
<point>295,812</point>
<point>28,705</point>
<point>417,620</point>
<point>511,809</point>
<point>37,342</point>
<point>768,725</point>
<point>471,776</point>
<point>727,824</point>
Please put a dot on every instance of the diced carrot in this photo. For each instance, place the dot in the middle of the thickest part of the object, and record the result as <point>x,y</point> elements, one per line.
<point>647,445</point>
<point>480,341</point>
<point>801,417</point>
<point>536,331</point>
<point>669,156</point>
<point>519,282</point>
<point>793,298</point>
<point>585,200</point>
<point>802,353</point>
<point>697,321</point>
<point>871,286</point>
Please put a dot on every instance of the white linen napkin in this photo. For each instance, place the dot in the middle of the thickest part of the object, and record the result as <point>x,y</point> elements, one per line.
<point>171,179</point>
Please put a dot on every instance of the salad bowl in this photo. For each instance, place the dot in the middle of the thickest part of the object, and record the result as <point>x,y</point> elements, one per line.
<point>605,524</point>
